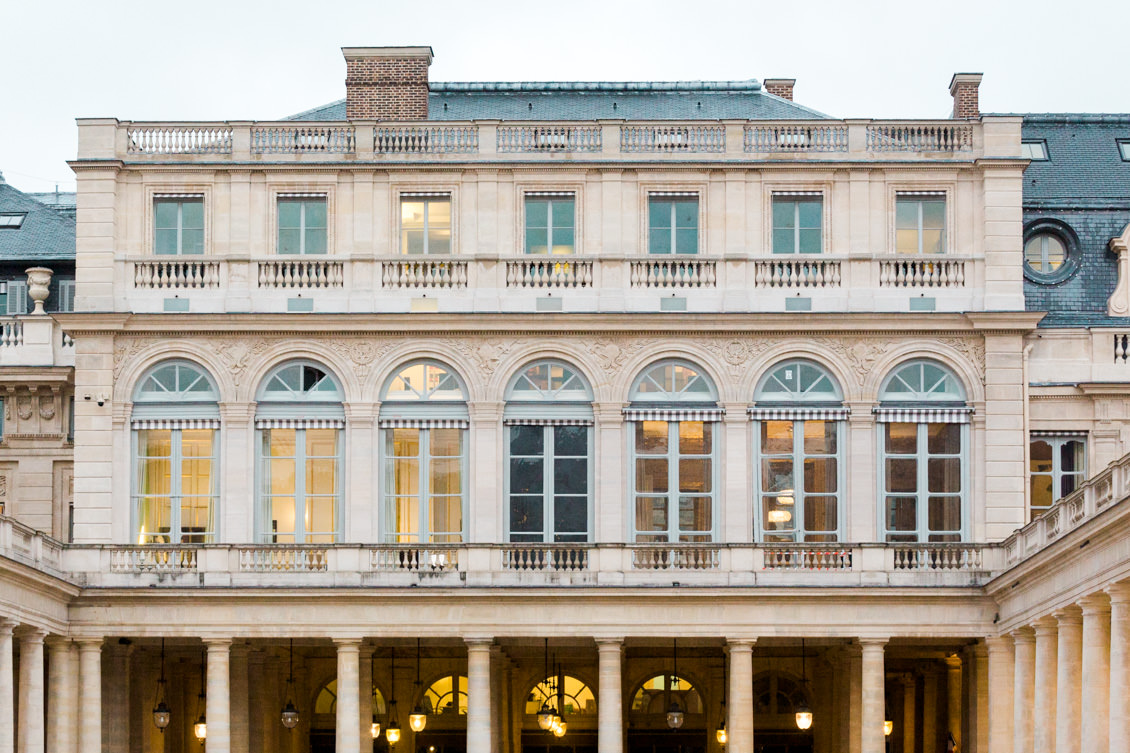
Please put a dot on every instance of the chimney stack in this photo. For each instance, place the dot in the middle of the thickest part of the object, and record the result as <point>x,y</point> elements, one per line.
<point>782,87</point>
<point>963,89</point>
<point>386,83</point>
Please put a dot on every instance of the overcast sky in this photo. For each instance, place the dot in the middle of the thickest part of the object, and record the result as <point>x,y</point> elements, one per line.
<point>238,59</point>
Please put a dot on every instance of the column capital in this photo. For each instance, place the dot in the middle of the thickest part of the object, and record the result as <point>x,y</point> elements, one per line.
<point>1069,615</point>
<point>217,643</point>
<point>953,661</point>
<point>609,641</point>
<point>1095,604</point>
<point>998,643</point>
<point>741,644</point>
<point>872,642</point>
<point>7,626</point>
<point>478,641</point>
<point>55,641</point>
<point>32,635</point>
<point>1119,593</point>
<point>346,644</point>
<point>1045,626</point>
<point>1023,635</point>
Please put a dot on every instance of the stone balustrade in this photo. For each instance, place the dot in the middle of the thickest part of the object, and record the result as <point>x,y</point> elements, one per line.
<point>34,340</point>
<point>491,140</point>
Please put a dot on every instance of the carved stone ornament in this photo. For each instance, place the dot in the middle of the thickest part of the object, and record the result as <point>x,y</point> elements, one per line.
<point>127,349</point>
<point>46,407</point>
<point>973,350</point>
<point>738,354</point>
<point>486,354</point>
<point>613,353</point>
<point>361,352</point>
<point>237,353</point>
<point>24,408</point>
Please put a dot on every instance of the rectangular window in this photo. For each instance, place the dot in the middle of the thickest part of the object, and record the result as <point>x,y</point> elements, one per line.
<point>1034,150</point>
<point>672,225</point>
<point>797,222</point>
<point>12,220</point>
<point>178,225</point>
<point>424,486</point>
<point>1057,468</point>
<point>550,224</point>
<point>301,485</point>
<point>176,486</point>
<point>674,481</point>
<point>17,297</point>
<point>920,224</point>
<point>923,467</point>
<point>425,225</point>
<point>800,493</point>
<point>549,483</point>
<point>1124,149</point>
<point>302,225</point>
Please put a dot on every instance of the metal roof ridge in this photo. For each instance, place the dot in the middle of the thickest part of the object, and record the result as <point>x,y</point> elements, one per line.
<point>750,85</point>
<point>1113,118</point>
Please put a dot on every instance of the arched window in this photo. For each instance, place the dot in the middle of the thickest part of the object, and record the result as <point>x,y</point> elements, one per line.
<point>447,696</point>
<point>775,695</point>
<point>300,420</point>
<point>175,483</point>
<point>655,696</point>
<point>549,439</point>
<point>924,434</point>
<point>326,702</point>
<point>799,413</point>
<point>672,415</point>
<point>424,422</point>
<point>578,697</point>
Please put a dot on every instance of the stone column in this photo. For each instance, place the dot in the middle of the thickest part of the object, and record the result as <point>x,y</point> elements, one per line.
<point>872,682</point>
<point>609,703</point>
<point>365,695</point>
<point>1023,690</point>
<point>909,703</point>
<point>478,695</point>
<point>1119,667</point>
<point>90,694</point>
<point>930,710</point>
<point>115,692</point>
<point>740,703</point>
<point>348,694</point>
<point>1096,671</point>
<point>1001,684</point>
<point>30,737</point>
<point>1044,693</point>
<point>953,698</point>
<point>1069,678</point>
<point>217,704</point>
<point>60,682</point>
<point>240,700</point>
<point>7,688</point>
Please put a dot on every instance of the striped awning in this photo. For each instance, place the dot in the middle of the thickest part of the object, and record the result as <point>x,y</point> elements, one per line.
<point>1071,434</point>
<point>922,415</point>
<point>561,421</point>
<point>300,423</point>
<point>550,194</point>
<point>675,194</point>
<point>175,423</point>
<point>674,414</point>
<point>424,423</point>
<point>302,195</point>
<point>800,413</point>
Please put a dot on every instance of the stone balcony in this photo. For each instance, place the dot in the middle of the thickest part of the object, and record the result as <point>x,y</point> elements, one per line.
<point>34,340</point>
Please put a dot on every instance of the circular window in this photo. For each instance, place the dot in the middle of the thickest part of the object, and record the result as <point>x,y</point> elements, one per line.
<point>1050,252</point>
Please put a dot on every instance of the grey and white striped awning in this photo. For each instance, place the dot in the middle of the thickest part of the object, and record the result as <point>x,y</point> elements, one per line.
<point>179,196</point>
<point>300,423</point>
<point>560,421</point>
<point>936,194</point>
<point>175,423</point>
<point>674,414</point>
<point>922,415</point>
<point>550,194</point>
<point>1071,434</point>
<point>424,423</point>
<point>683,194</point>
<point>810,194</point>
<point>305,195</point>
<point>425,194</point>
<point>800,413</point>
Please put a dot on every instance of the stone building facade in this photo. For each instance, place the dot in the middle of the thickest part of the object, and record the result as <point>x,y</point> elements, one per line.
<point>679,410</point>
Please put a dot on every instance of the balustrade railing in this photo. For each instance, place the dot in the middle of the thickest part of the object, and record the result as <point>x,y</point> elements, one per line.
<point>153,559</point>
<point>545,557</point>
<point>287,139</point>
<point>301,274</point>
<point>938,557</point>
<point>414,559</point>
<point>673,138</point>
<point>552,272</point>
<point>283,558</point>
<point>796,138</point>
<point>1121,347</point>
<point>919,137</point>
<point>188,139</point>
<point>674,273</point>
<point>11,334</point>
<point>925,273</point>
<point>426,139</point>
<point>674,557</point>
<point>798,557</point>
<point>178,273</point>
<point>796,273</point>
<point>424,273</point>
<point>549,138</point>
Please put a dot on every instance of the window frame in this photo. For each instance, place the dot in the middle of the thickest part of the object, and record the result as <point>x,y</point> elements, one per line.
<point>796,198</point>
<point>176,533</point>
<point>12,220</point>
<point>180,199</point>
<point>674,198</point>
<point>550,197</point>
<point>428,198</point>
<point>1124,149</point>
<point>302,199</point>
<point>920,197</point>
<point>1056,441</point>
<point>1026,152</point>
<point>1071,250</point>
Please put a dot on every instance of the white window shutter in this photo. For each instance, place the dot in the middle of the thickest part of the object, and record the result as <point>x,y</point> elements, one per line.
<point>17,297</point>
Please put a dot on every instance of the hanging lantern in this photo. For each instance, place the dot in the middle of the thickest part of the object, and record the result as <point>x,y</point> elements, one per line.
<point>392,729</point>
<point>803,712</point>
<point>720,734</point>
<point>418,719</point>
<point>200,728</point>
<point>888,728</point>
<point>289,714</point>
<point>161,713</point>
<point>675,714</point>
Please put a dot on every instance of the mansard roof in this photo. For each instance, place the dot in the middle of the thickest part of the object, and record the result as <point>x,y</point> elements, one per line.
<point>597,100</point>
<point>1084,168</point>
<point>45,234</point>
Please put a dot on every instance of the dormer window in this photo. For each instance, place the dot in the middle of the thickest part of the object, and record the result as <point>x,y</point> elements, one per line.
<point>12,220</point>
<point>1034,150</point>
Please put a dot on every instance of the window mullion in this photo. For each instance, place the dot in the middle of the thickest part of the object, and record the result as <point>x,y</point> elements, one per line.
<point>301,227</point>
<point>180,224</point>
<point>674,235</point>
<point>673,481</point>
<point>920,507</point>
<point>300,486</point>
<point>423,533</point>
<point>798,481</point>
<point>548,528</point>
<point>427,208</point>
<point>175,460</point>
<point>796,228</point>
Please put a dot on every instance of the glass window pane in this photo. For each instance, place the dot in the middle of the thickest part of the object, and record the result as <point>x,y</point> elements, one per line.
<point>694,438</point>
<point>405,476</point>
<point>694,475</point>
<point>446,442</point>
<point>686,241</point>
<point>784,241</point>
<point>192,215</point>
<point>820,475</point>
<point>321,442</point>
<point>694,514</point>
<point>192,242</point>
<point>820,514</point>
<point>906,241</point>
<point>316,213</point>
<point>439,213</point>
<point>944,513</point>
<point>165,242</point>
<point>902,514</point>
<point>412,214</point>
<point>290,214</point>
<point>943,439</point>
<point>651,437</point>
<point>777,475</point>
<point>902,438</point>
<point>810,212</point>
<point>405,443</point>
<point>315,240</point>
<point>447,514</point>
<point>651,474</point>
<point>165,214</point>
<point>562,241</point>
<point>933,241</point>
<point>439,240</point>
<point>563,213</point>
<point>934,214</point>
<point>776,437</point>
<point>571,440</point>
<point>659,241</point>
<point>447,476</point>
<point>570,476</point>
<point>902,475</point>
<point>686,214</point>
<point>537,213</point>
<point>570,515</point>
<point>290,241</point>
<point>810,241</point>
<point>944,474</point>
<point>820,437</point>
<point>526,514</point>
<point>1041,485</point>
<point>651,513</point>
<point>906,214</point>
<point>537,241</point>
<point>659,214</point>
<point>784,214</point>
<point>526,476</point>
<point>526,440</point>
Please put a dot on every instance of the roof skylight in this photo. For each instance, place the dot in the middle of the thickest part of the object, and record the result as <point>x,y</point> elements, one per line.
<point>12,220</point>
<point>1034,150</point>
<point>1124,149</point>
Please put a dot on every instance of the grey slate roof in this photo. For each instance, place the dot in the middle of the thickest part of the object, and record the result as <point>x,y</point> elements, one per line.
<point>1084,167</point>
<point>64,202</point>
<point>680,100</point>
<point>46,234</point>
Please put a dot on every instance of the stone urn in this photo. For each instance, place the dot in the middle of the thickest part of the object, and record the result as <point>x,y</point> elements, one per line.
<point>38,285</point>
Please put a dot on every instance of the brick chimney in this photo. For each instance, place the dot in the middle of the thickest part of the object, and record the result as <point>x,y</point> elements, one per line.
<point>386,83</point>
<point>782,87</point>
<point>963,89</point>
